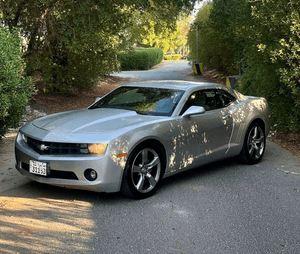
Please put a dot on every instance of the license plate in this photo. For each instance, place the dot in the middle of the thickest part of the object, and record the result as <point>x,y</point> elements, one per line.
<point>38,168</point>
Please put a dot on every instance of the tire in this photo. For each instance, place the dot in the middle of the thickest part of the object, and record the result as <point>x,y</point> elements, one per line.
<point>254,144</point>
<point>143,172</point>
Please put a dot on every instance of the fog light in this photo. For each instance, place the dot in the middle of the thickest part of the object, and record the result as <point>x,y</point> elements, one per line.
<point>90,174</point>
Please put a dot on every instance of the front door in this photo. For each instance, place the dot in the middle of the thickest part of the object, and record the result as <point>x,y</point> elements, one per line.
<point>204,137</point>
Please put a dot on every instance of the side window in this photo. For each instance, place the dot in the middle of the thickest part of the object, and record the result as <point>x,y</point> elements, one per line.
<point>211,102</point>
<point>209,99</point>
<point>220,99</point>
<point>226,97</point>
<point>197,98</point>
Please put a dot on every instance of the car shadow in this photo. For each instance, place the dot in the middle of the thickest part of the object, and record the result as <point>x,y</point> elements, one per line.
<point>34,189</point>
<point>200,172</point>
<point>34,209</point>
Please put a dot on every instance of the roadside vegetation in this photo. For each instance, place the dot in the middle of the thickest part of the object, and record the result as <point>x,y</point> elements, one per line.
<point>68,46</point>
<point>260,40</point>
<point>173,57</point>
<point>15,88</point>
<point>141,59</point>
<point>71,44</point>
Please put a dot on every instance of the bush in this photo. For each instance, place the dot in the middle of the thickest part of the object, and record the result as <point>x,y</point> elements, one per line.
<point>143,59</point>
<point>15,89</point>
<point>67,65</point>
<point>272,61</point>
<point>173,57</point>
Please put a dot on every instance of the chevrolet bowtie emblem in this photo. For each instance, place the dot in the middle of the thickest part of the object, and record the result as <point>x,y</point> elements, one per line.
<point>42,147</point>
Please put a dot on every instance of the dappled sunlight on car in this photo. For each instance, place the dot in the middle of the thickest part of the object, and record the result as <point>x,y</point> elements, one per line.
<point>119,151</point>
<point>179,157</point>
<point>137,134</point>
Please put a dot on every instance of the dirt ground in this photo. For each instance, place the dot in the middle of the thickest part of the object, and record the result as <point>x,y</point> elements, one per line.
<point>58,103</point>
<point>54,103</point>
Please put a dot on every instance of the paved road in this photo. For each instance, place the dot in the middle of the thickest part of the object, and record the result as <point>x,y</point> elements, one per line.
<point>170,70</point>
<point>225,207</point>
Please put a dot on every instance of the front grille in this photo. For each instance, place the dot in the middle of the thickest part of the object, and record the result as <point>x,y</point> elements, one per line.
<point>56,148</point>
<point>55,173</point>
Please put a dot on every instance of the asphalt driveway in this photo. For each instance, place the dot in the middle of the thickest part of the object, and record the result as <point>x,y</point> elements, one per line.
<point>224,207</point>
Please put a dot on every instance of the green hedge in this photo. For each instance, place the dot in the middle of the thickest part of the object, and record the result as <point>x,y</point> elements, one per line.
<point>15,89</point>
<point>173,57</point>
<point>143,59</point>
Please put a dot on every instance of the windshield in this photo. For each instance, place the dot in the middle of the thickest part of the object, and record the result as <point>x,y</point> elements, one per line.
<point>143,100</point>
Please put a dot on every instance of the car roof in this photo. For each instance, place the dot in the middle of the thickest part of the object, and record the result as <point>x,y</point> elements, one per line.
<point>175,84</point>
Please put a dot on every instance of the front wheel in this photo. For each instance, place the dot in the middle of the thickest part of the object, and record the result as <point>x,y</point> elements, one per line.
<point>142,173</point>
<point>254,144</point>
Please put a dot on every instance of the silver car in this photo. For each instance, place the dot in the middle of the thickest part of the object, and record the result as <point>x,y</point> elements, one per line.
<point>140,133</point>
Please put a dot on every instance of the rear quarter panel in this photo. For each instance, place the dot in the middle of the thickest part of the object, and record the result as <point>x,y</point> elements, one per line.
<point>244,113</point>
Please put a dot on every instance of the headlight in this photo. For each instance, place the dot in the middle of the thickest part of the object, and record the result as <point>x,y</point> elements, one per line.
<point>21,136</point>
<point>24,137</point>
<point>97,149</point>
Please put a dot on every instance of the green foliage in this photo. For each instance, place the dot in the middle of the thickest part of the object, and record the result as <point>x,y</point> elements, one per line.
<point>152,28</point>
<point>201,22</point>
<point>213,50</point>
<point>263,39</point>
<point>272,60</point>
<point>173,57</point>
<point>15,89</point>
<point>183,25</point>
<point>142,59</point>
<point>231,21</point>
<point>70,43</point>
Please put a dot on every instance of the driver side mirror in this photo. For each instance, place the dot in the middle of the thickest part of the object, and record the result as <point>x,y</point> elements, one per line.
<point>97,99</point>
<point>193,110</point>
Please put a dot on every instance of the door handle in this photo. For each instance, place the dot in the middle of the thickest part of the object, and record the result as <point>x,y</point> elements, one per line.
<point>226,117</point>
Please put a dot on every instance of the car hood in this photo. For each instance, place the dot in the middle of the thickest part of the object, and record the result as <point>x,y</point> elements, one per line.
<point>93,121</point>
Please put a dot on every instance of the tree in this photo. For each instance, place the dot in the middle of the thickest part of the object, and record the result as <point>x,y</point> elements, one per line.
<point>149,29</point>
<point>183,25</point>
<point>206,39</point>
<point>263,39</point>
<point>212,50</point>
<point>70,43</point>
<point>220,31</point>
<point>272,59</point>
<point>231,21</point>
<point>15,89</point>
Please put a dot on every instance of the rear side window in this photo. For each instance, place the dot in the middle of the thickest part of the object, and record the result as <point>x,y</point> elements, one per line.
<point>226,97</point>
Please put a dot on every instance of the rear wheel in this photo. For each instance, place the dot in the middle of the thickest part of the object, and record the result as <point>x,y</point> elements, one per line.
<point>143,172</point>
<point>254,144</point>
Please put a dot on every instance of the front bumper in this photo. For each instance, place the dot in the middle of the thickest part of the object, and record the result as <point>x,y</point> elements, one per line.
<point>68,170</point>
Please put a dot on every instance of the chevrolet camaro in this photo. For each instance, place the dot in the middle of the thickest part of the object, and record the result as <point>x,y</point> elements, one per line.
<point>139,133</point>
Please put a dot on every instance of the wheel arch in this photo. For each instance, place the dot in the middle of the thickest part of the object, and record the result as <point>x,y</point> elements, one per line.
<point>128,188</point>
<point>156,144</point>
<point>260,121</point>
<point>244,153</point>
